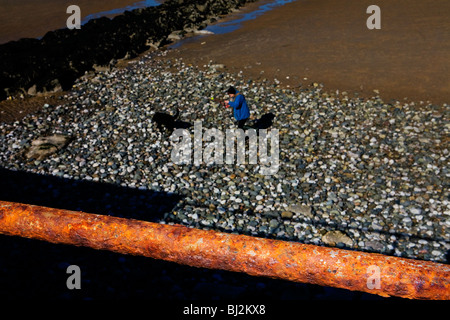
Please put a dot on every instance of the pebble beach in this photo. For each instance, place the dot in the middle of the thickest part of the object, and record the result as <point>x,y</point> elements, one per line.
<point>353,173</point>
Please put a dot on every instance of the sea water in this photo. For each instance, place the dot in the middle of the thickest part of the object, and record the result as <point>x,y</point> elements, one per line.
<point>236,21</point>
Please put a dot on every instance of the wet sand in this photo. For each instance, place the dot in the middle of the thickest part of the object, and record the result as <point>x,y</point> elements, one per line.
<point>328,42</point>
<point>33,19</point>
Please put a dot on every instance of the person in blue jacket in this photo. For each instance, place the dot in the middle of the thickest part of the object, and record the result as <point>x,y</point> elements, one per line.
<point>239,105</point>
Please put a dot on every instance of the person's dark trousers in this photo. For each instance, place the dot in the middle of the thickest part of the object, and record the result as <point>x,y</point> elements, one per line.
<point>241,123</point>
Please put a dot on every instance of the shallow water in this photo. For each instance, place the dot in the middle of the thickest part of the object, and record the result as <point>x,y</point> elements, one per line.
<point>236,22</point>
<point>230,26</point>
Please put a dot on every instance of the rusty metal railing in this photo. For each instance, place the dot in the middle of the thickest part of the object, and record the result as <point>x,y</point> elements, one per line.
<point>352,270</point>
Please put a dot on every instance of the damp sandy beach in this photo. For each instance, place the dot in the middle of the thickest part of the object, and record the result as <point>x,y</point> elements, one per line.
<point>328,42</point>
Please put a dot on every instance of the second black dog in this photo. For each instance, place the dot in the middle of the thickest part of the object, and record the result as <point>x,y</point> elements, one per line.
<point>166,121</point>
<point>265,122</point>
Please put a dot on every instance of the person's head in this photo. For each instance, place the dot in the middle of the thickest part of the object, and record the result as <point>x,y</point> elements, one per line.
<point>231,92</point>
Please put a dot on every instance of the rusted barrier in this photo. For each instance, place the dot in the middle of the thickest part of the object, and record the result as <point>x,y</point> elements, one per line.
<point>353,270</point>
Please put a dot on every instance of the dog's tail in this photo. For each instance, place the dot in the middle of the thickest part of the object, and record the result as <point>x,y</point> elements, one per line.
<point>177,114</point>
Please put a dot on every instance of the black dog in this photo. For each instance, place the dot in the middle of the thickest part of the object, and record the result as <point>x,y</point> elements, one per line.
<point>264,122</point>
<point>166,121</point>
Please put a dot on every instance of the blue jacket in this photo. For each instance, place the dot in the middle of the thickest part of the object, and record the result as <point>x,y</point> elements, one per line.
<point>240,107</point>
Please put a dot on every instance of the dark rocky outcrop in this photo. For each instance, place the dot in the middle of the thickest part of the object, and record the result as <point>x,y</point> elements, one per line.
<point>60,57</point>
